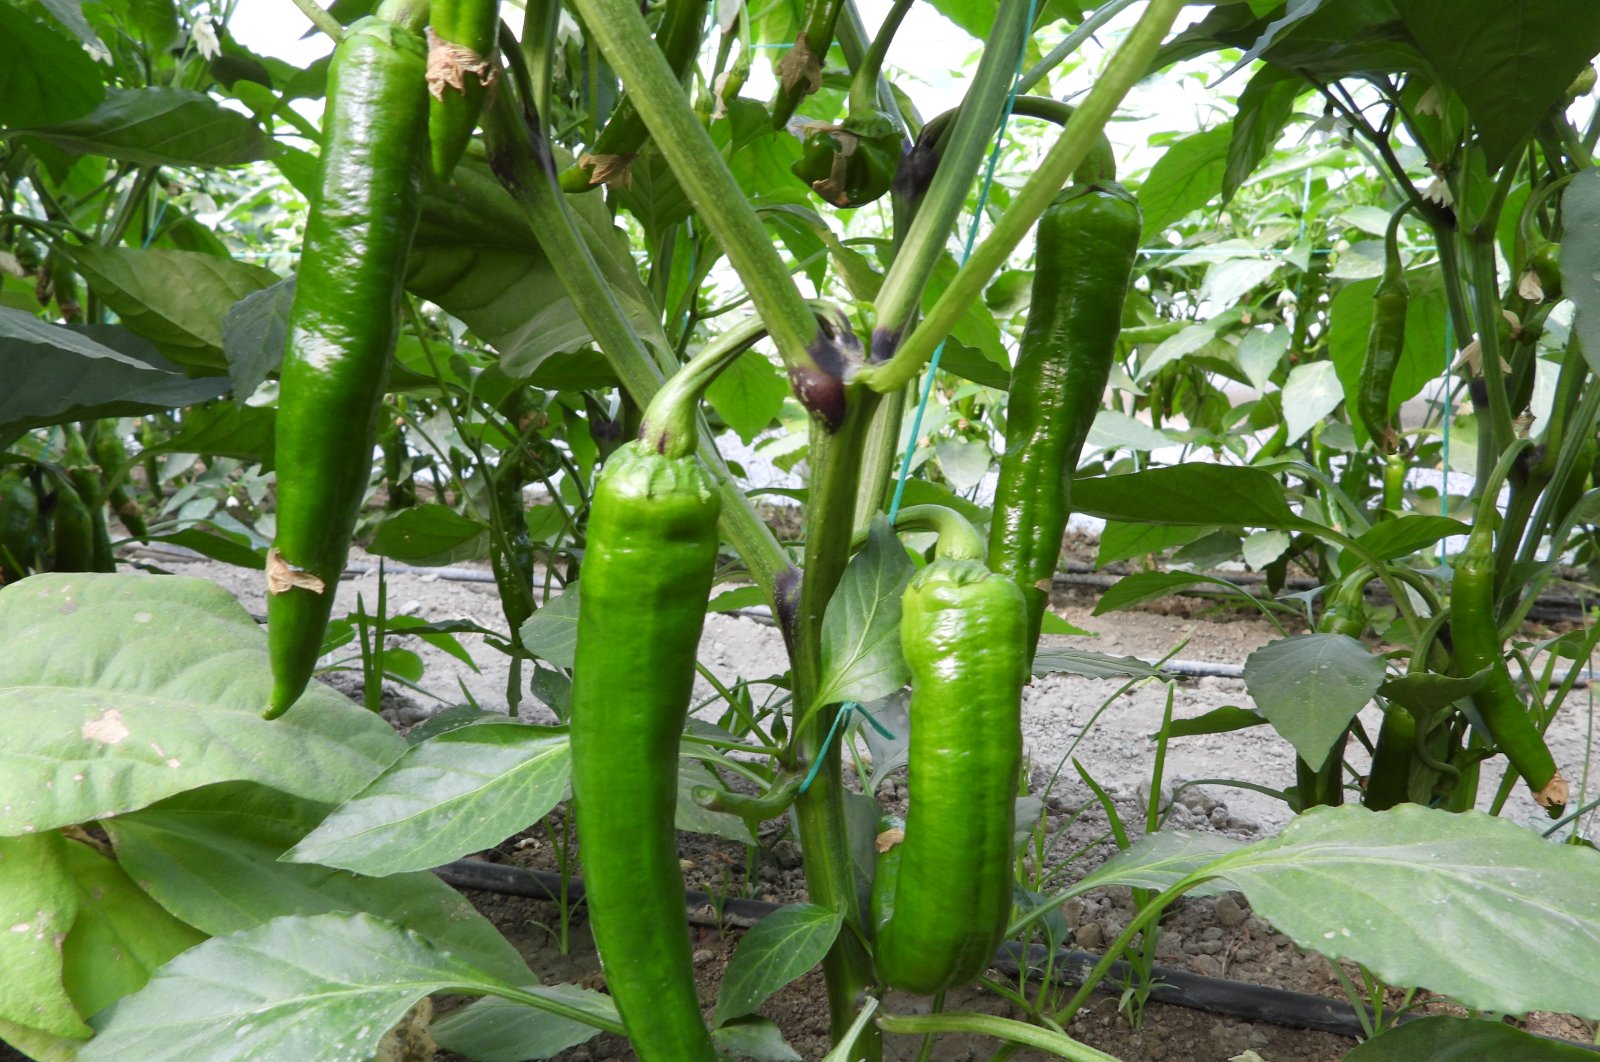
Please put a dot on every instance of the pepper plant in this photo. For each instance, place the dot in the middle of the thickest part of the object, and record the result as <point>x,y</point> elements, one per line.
<point>476,313</point>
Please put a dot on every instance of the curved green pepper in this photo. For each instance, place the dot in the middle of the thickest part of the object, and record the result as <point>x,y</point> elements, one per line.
<point>647,567</point>
<point>342,330</point>
<point>461,69</point>
<point>1086,245</point>
<point>1386,341</point>
<point>942,893</point>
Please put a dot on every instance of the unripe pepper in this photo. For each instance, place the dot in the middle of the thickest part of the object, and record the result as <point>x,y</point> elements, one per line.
<point>850,165</point>
<point>1386,341</point>
<point>1087,240</point>
<point>461,70</point>
<point>342,330</point>
<point>942,893</point>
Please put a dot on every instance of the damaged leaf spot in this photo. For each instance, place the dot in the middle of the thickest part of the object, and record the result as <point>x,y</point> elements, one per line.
<point>107,728</point>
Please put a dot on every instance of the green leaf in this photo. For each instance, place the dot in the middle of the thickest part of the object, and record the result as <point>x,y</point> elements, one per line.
<point>55,373</point>
<point>749,394</point>
<point>322,986</point>
<point>1140,587</point>
<point>248,434</point>
<point>1473,907</point>
<point>255,332</point>
<point>1158,861</point>
<point>212,858</point>
<point>1393,539</point>
<point>754,1037</point>
<point>1265,107</point>
<point>121,935</point>
<point>552,632</point>
<point>1580,258</point>
<point>861,658</point>
<point>1050,623</point>
<point>1120,540</point>
<point>208,540</point>
<point>1444,1039</point>
<point>499,1030</point>
<point>176,299</point>
<point>1427,692</point>
<point>1185,178</point>
<point>1192,494</point>
<point>1051,660</point>
<point>37,895</point>
<point>44,78</point>
<point>161,126</point>
<point>1222,720</point>
<point>1310,395</point>
<point>1509,60</point>
<point>162,692</point>
<point>775,951</point>
<point>1424,356</point>
<point>459,793</point>
<point>737,598</point>
<point>431,535</point>
<point>1114,430</point>
<point>1309,686</point>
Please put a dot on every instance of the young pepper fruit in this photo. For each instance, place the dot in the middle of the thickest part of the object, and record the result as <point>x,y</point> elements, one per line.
<point>342,330</point>
<point>853,164</point>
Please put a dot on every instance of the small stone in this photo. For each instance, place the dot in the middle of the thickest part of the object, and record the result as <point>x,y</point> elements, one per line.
<point>1209,965</point>
<point>1089,936</point>
<point>703,955</point>
<point>787,854</point>
<point>1072,911</point>
<point>1229,913</point>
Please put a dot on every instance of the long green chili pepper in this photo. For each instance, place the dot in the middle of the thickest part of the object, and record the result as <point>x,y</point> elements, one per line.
<point>942,893</point>
<point>461,70</point>
<point>1086,244</point>
<point>609,160</point>
<point>1475,641</point>
<point>1386,341</point>
<point>342,330</point>
<point>112,456</point>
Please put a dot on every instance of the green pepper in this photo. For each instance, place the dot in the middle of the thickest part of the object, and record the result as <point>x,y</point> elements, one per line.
<point>112,456</point>
<point>342,330</point>
<point>20,532</point>
<point>1087,240</point>
<point>1546,263</point>
<point>646,577</point>
<point>610,159</point>
<point>850,165</point>
<point>1386,341</point>
<point>1476,646</point>
<point>461,69</point>
<point>942,893</point>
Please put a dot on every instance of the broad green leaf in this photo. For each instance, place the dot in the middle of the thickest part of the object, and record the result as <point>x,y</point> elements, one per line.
<point>69,13</point>
<point>1393,539</point>
<point>1050,623</point>
<point>1261,548</point>
<point>748,394</point>
<point>1264,108</point>
<point>176,299</point>
<point>44,77</point>
<point>1445,1039</point>
<point>1309,686</point>
<point>499,1030</point>
<point>208,540</point>
<point>1509,60</point>
<point>1340,38</point>
<point>1158,861</point>
<point>1580,258</point>
<point>861,658</point>
<point>162,692</point>
<point>121,935</point>
<point>38,903</point>
<point>1193,494</point>
<point>255,331</point>
<point>754,1037</point>
<point>775,951</point>
<point>161,126</point>
<point>55,373</point>
<point>1311,393</point>
<point>1477,908</point>
<point>1185,178</point>
<point>737,598</point>
<point>1424,356</point>
<point>1259,354</point>
<point>1116,430</point>
<point>1140,587</point>
<point>1120,540</point>
<point>1051,660</point>
<point>1222,720</point>
<point>249,433</point>
<point>552,632</point>
<point>431,535</point>
<point>964,462</point>
<point>1427,692</point>
<point>459,793</point>
<point>321,986</point>
<point>212,858</point>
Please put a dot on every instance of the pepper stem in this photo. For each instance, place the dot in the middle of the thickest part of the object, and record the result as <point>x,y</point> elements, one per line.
<point>958,539</point>
<point>671,421</point>
<point>864,86</point>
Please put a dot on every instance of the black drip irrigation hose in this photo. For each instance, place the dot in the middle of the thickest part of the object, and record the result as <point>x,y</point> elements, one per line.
<point>1214,995</point>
